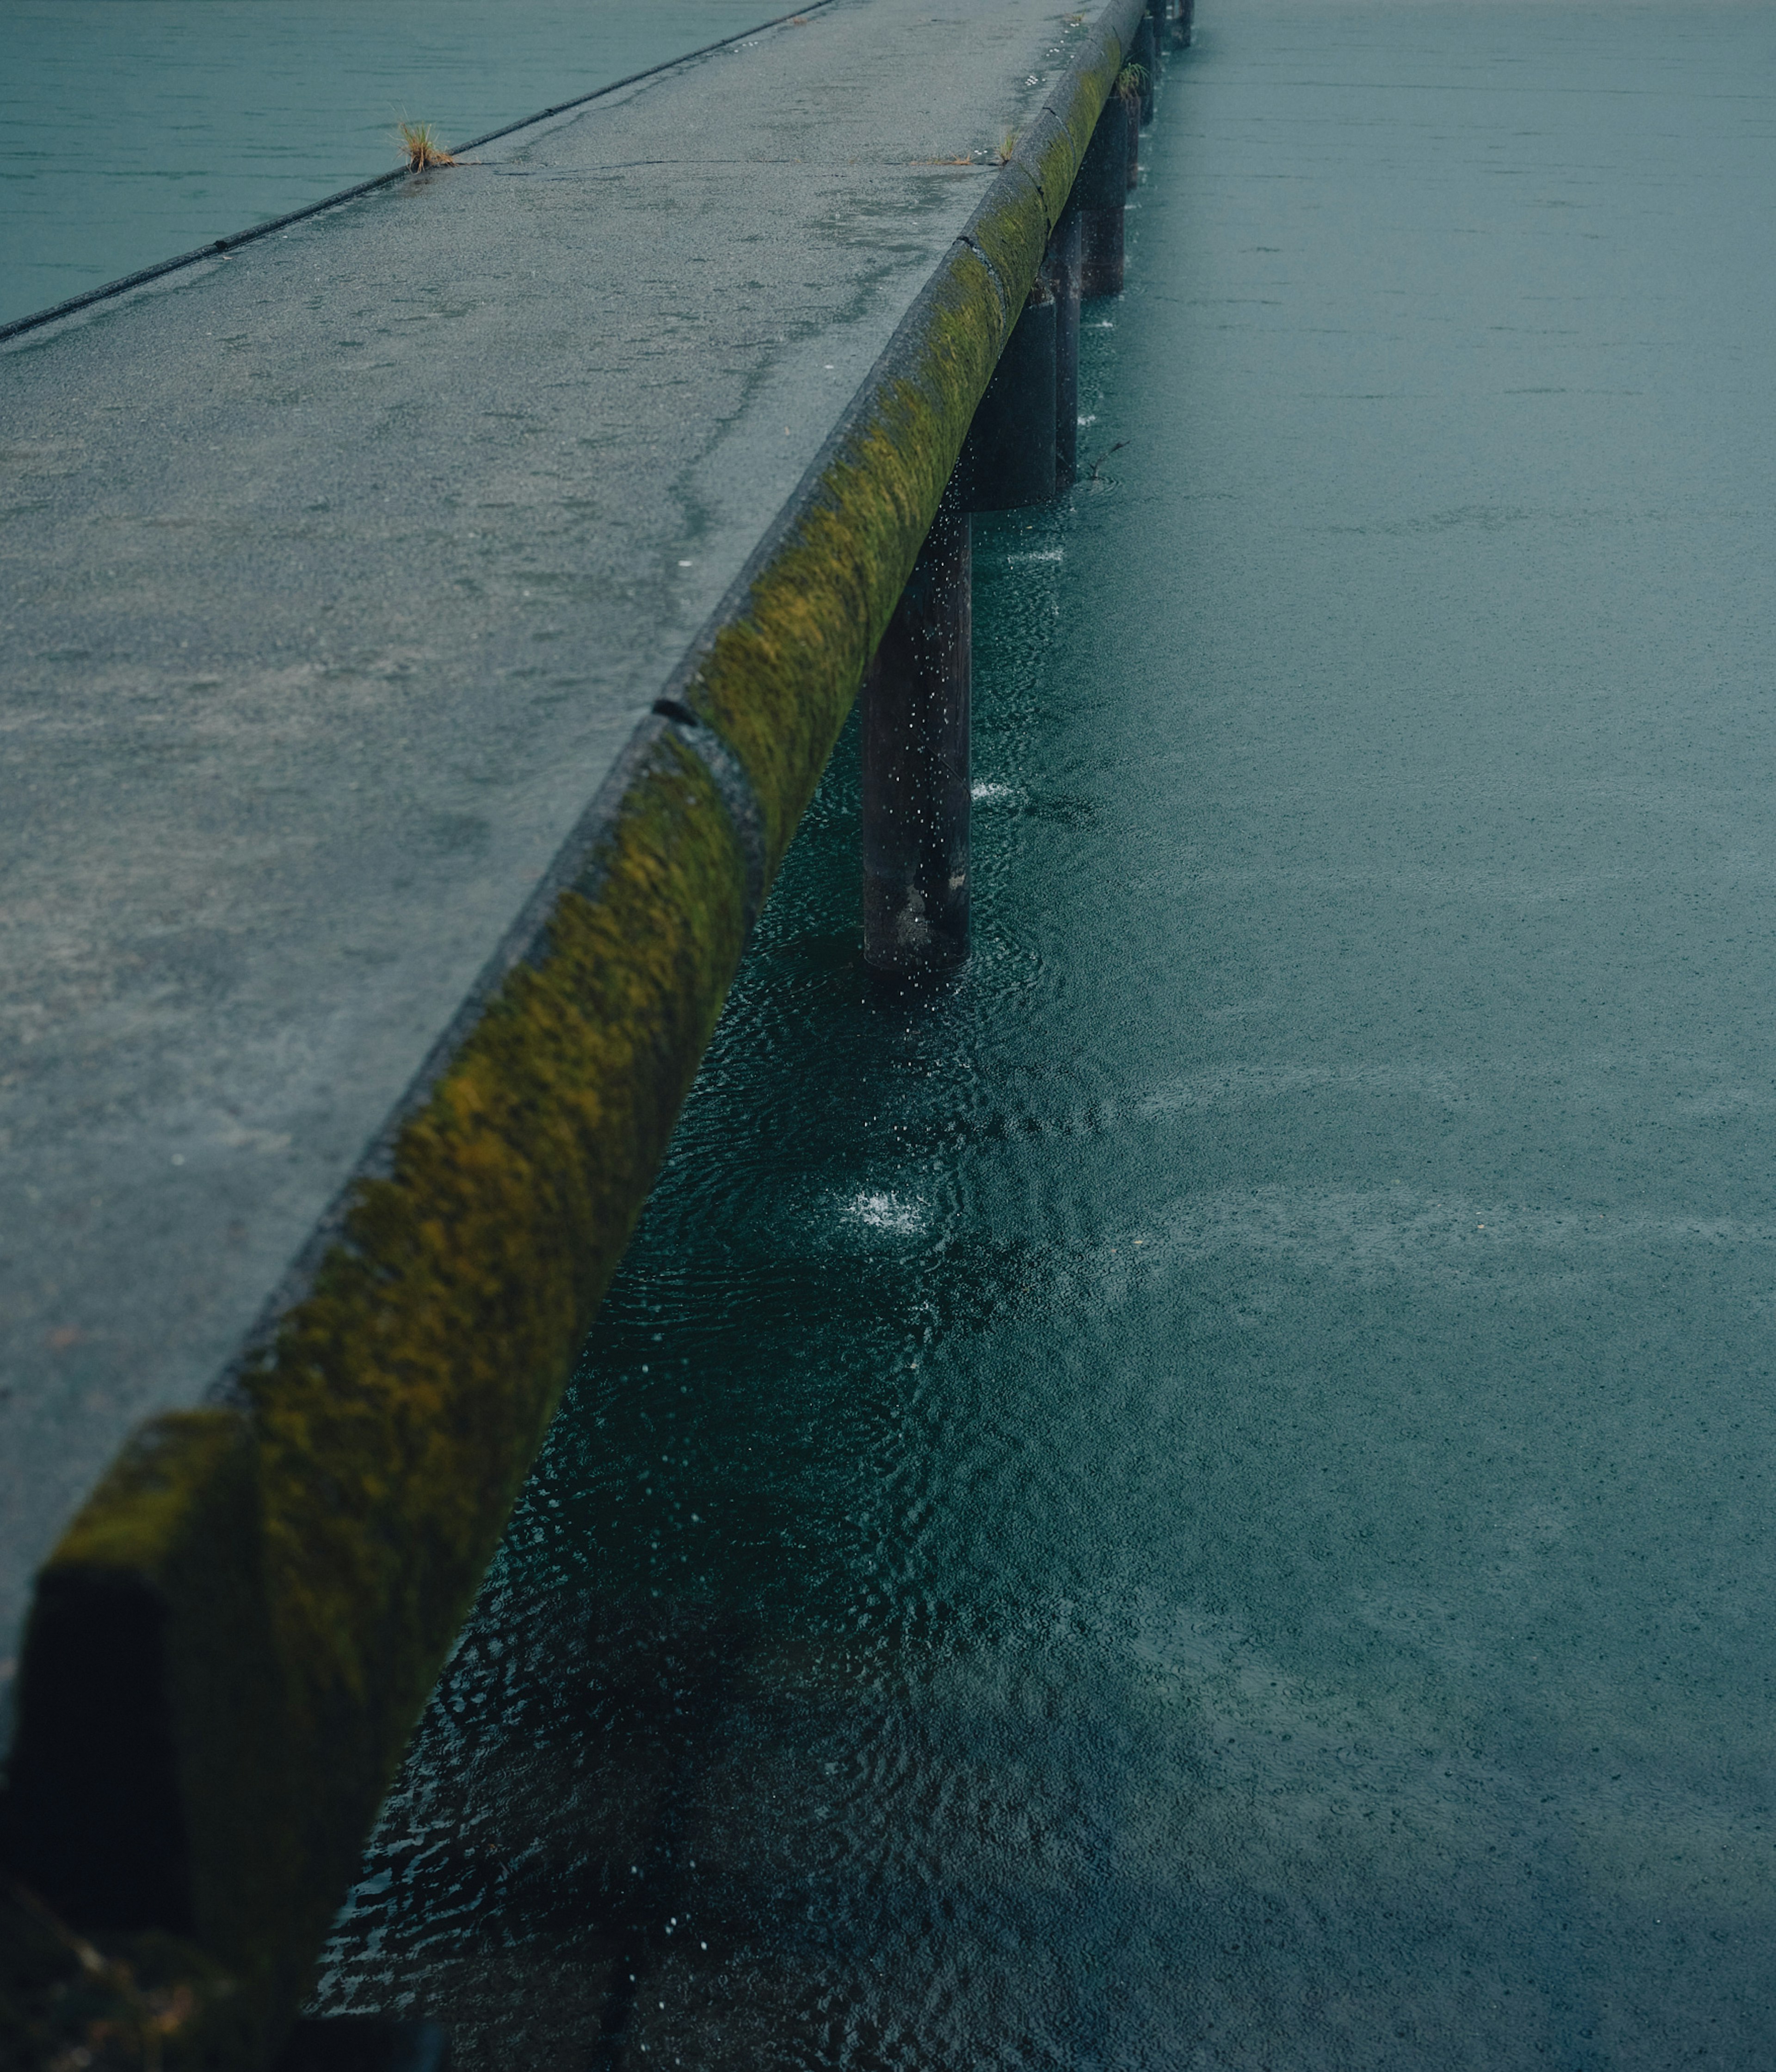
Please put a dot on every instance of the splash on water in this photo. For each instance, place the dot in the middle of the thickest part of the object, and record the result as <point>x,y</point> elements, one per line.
<point>888,1212</point>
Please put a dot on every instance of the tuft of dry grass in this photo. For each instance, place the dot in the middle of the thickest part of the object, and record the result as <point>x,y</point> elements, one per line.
<point>420,142</point>
<point>1131,81</point>
<point>1007,146</point>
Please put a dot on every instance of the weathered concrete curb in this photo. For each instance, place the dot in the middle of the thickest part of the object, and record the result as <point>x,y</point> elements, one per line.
<point>283,1572</point>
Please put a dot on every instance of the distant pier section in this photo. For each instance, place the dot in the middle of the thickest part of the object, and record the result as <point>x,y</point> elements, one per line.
<point>424,625</point>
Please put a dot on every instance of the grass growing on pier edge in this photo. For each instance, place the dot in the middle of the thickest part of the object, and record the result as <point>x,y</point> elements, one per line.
<point>420,142</point>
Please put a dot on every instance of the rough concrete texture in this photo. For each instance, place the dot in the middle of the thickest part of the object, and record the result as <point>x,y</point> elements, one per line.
<point>345,571</point>
<point>337,574</point>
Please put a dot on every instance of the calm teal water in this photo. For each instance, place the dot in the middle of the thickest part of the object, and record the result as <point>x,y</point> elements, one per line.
<point>1205,1500</point>
<point>133,131</point>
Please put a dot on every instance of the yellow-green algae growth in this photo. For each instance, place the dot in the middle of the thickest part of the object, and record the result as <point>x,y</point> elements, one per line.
<point>778,682</point>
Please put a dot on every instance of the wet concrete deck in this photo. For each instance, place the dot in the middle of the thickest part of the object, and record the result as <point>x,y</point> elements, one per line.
<point>338,572</point>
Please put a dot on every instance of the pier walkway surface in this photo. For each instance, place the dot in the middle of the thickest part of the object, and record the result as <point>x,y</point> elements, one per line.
<point>338,574</point>
<point>361,928</point>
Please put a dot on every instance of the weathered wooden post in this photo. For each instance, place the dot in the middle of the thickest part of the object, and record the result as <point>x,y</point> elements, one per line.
<point>1101,189</point>
<point>915,763</point>
<point>1184,25</point>
<point>1146,56</point>
<point>1131,109</point>
<point>1061,266</point>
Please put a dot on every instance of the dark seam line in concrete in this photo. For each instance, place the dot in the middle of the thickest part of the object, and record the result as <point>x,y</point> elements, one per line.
<point>999,285</point>
<point>76,303</point>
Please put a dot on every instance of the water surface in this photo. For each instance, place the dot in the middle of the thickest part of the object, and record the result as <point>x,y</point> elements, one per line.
<point>133,130</point>
<point>1205,1498</point>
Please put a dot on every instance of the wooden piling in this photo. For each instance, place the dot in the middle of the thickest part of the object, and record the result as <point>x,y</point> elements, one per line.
<point>1008,463</point>
<point>915,764</point>
<point>1102,189</point>
<point>1061,268</point>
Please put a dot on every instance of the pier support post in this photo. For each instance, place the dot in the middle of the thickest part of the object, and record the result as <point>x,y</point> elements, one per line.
<point>1061,267</point>
<point>1147,57</point>
<point>915,764</point>
<point>1101,189</point>
<point>1184,25</point>
<point>1008,461</point>
<point>1023,448</point>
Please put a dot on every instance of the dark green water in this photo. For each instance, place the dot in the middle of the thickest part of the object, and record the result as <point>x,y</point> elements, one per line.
<point>1204,1500</point>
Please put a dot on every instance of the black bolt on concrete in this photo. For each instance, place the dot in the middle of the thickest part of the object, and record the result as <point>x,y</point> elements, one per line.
<point>915,764</point>
<point>1009,461</point>
<point>1102,189</point>
<point>1061,269</point>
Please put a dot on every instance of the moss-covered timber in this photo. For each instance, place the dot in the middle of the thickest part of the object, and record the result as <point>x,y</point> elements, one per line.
<point>229,1647</point>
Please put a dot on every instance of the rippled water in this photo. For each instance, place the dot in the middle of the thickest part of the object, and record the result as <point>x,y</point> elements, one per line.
<point>1205,1499</point>
<point>133,131</point>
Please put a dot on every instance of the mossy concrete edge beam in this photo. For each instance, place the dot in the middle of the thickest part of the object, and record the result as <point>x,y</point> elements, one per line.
<point>229,1646</point>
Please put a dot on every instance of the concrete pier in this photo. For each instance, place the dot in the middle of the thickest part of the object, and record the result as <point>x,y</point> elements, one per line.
<point>1062,267</point>
<point>426,625</point>
<point>1011,460</point>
